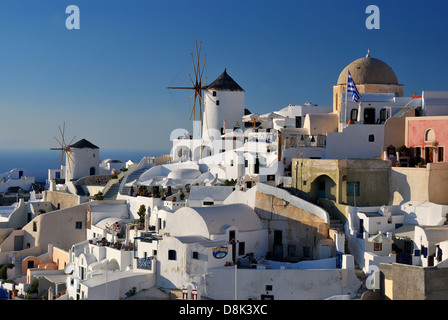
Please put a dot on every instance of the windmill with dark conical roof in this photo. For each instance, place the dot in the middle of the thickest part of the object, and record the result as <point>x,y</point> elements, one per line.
<point>223,106</point>
<point>81,158</point>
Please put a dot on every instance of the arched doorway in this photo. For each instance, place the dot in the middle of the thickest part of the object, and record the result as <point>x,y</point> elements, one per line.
<point>323,187</point>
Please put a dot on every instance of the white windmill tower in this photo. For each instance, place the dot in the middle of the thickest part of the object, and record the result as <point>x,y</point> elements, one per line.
<point>81,158</point>
<point>223,106</point>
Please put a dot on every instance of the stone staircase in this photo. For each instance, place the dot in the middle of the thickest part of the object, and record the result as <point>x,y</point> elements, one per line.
<point>134,175</point>
<point>336,224</point>
<point>112,193</point>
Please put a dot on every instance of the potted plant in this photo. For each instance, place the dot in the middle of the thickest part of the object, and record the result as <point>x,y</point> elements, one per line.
<point>397,164</point>
<point>420,164</point>
<point>173,199</point>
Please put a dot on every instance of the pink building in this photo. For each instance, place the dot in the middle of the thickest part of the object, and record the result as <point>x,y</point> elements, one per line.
<point>427,137</point>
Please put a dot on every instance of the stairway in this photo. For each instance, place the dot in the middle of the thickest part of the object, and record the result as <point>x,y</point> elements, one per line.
<point>112,193</point>
<point>134,175</point>
<point>336,224</point>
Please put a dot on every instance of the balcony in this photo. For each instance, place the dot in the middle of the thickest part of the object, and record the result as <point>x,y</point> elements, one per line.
<point>319,140</point>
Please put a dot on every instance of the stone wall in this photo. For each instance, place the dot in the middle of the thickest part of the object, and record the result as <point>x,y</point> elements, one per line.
<point>298,227</point>
<point>61,200</point>
<point>97,180</point>
<point>406,282</point>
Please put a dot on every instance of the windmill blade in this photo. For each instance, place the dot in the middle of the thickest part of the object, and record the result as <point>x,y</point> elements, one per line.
<point>180,88</point>
<point>62,133</point>
<point>192,82</point>
<point>193,112</point>
<point>71,141</point>
<point>203,66</point>
<point>69,160</point>
<point>194,65</point>
<point>60,158</point>
<point>198,55</point>
<point>59,142</point>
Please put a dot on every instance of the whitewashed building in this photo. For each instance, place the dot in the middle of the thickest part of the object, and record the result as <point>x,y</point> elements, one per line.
<point>197,239</point>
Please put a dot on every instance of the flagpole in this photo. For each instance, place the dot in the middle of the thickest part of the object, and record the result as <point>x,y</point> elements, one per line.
<point>346,93</point>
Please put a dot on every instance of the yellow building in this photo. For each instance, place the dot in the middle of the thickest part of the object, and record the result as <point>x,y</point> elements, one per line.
<point>335,184</point>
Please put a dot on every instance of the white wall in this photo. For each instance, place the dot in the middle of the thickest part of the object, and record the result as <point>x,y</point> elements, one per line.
<point>82,160</point>
<point>286,284</point>
<point>435,103</point>
<point>424,213</point>
<point>230,109</point>
<point>353,142</point>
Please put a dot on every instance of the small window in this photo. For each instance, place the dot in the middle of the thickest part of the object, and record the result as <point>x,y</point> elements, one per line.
<point>440,155</point>
<point>377,246</point>
<point>242,248</point>
<point>383,115</point>
<point>306,252</point>
<point>429,135</point>
<point>354,115</point>
<point>217,102</point>
<point>195,255</point>
<point>34,226</point>
<point>371,137</point>
<point>214,93</point>
<point>353,189</point>
<point>78,225</point>
<point>172,255</point>
<point>268,287</point>
<point>208,203</point>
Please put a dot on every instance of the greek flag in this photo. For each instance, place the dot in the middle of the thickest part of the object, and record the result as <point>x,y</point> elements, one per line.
<point>351,87</point>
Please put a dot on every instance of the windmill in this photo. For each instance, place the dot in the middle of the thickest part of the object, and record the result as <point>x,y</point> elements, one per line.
<point>64,148</point>
<point>197,84</point>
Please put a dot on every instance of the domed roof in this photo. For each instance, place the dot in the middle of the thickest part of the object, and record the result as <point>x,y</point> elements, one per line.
<point>369,70</point>
<point>185,173</point>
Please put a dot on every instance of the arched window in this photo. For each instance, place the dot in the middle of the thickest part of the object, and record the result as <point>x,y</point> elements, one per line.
<point>429,135</point>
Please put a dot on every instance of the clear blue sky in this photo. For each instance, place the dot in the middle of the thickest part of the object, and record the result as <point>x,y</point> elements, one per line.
<point>108,80</point>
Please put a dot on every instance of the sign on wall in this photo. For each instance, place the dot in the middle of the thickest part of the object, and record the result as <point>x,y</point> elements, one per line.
<point>220,252</point>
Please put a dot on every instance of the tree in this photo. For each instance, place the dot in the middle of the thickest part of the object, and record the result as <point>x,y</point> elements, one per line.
<point>141,213</point>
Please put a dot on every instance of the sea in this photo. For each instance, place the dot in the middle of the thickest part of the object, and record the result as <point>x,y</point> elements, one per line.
<point>36,162</point>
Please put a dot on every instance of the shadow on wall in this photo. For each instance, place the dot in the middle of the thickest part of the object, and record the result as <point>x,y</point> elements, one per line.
<point>293,234</point>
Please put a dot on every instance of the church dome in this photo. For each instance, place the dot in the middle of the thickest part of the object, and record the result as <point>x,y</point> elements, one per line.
<point>369,70</point>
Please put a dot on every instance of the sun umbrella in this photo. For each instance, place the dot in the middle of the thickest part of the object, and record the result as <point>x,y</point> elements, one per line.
<point>135,182</point>
<point>150,183</point>
<point>167,183</point>
<point>272,115</point>
<point>253,117</point>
